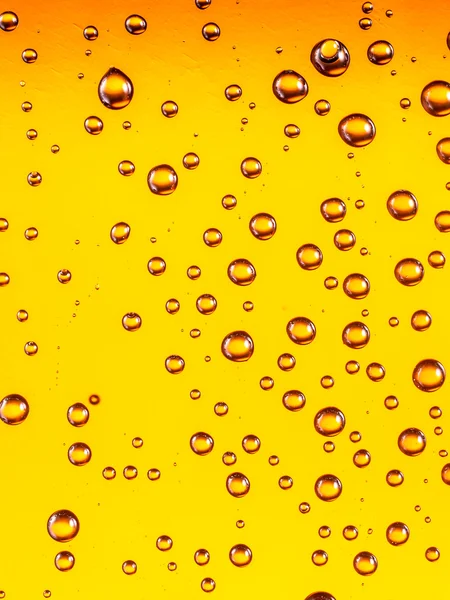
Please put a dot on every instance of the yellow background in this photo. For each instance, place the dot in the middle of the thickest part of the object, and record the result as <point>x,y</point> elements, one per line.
<point>84,349</point>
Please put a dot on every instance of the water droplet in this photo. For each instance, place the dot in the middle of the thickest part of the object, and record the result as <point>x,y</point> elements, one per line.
<point>350,532</point>
<point>126,168</point>
<point>194,272</point>
<point>78,414</point>
<point>435,98</point>
<point>322,107</point>
<point>115,89</point>
<point>191,161</point>
<point>445,474</point>
<point>169,109</point>
<point>428,375</point>
<point>137,442</point>
<point>309,257</point>
<point>294,400</point>
<point>251,167</point>
<point>90,33</point>
<point>202,443</point>
<point>64,561</point>
<point>208,584</point>
<point>375,371</point>
<point>154,474</point>
<point>64,276</point>
<point>304,508</point>
<point>436,259</point>
<point>156,266</point>
<point>241,272</point>
<point>175,364</point>
<point>442,221</point>
<point>31,348</point>
<point>32,134</point>
<point>365,24</point>
<point>211,32</point>
<point>8,21</point>
<point>330,57</point>
<point>229,458</point>
<point>93,125</point>
<point>162,180</point>
<point>421,320</point>
<point>380,52</point>
<point>31,233</point>
<point>129,567</point>
<point>397,533</point>
<point>319,558</point>
<point>412,441</point>
<point>286,362</point>
<point>172,306</point>
<point>251,444</point>
<point>130,472</point>
<point>357,130</point>
<point>240,555</point>
<point>289,87</point>
<point>202,4</point>
<point>229,202</point>
<point>395,478</point>
<point>391,402</point>
<point>402,205</point>
<point>361,458</point>
<point>120,232</point>
<point>365,563</point>
<point>356,286</point>
<point>14,409</point>
<point>356,335</point>
<point>79,454</point>
<point>301,330</point>
<point>34,178</point>
<point>320,596</point>
<point>212,237</point>
<point>29,56</point>
<point>63,526</point>
<point>333,210</point>
<point>409,271</point>
<point>233,92</point>
<point>206,304</point>
<point>331,283</point>
<point>131,321</point>
<point>328,488</point>
<point>263,226</point>
<point>238,485</point>
<point>237,346</point>
<point>432,554</point>
<point>329,421</point>
<point>202,557</point>
<point>135,24</point>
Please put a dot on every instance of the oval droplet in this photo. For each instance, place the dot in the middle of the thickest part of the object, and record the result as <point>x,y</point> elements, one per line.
<point>63,525</point>
<point>357,130</point>
<point>412,441</point>
<point>14,409</point>
<point>429,375</point>
<point>162,180</point>
<point>329,421</point>
<point>402,205</point>
<point>237,346</point>
<point>435,98</point>
<point>330,57</point>
<point>238,485</point>
<point>301,330</point>
<point>328,488</point>
<point>240,555</point>
<point>289,87</point>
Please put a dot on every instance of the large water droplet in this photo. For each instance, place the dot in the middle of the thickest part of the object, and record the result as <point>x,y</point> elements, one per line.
<point>115,89</point>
